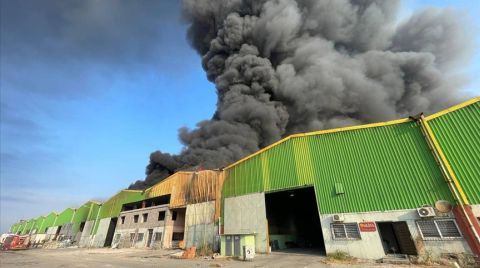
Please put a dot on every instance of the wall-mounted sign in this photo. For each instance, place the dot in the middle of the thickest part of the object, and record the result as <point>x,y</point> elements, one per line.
<point>367,226</point>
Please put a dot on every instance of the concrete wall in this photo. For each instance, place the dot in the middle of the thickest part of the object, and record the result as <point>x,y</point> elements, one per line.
<point>122,237</point>
<point>101,235</point>
<point>172,226</point>
<point>38,238</point>
<point>200,228</point>
<point>50,234</point>
<point>370,245</point>
<point>152,219</point>
<point>246,214</point>
<point>86,235</point>
<point>66,232</point>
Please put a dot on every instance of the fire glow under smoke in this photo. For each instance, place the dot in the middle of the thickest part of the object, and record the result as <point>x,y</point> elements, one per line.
<point>286,66</point>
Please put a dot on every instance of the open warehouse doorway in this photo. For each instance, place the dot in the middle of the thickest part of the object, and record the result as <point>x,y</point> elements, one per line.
<point>293,221</point>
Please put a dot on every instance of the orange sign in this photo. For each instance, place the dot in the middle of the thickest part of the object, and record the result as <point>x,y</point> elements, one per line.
<point>367,226</point>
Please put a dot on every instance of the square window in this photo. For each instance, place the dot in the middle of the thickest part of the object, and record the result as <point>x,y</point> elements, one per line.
<point>345,231</point>
<point>135,218</point>
<point>448,229</point>
<point>140,237</point>
<point>428,229</point>
<point>122,220</point>
<point>144,217</point>
<point>158,236</point>
<point>174,215</point>
<point>439,229</point>
<point>132,237</point>
<point>161,216</point>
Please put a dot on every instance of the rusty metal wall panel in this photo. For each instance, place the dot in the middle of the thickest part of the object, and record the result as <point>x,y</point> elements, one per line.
<point>189,187</point>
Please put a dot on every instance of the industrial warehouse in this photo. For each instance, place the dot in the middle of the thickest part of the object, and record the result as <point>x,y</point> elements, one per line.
<point>403,187</point>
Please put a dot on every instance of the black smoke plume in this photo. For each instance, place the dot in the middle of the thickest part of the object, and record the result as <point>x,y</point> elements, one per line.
<point>286,66</point>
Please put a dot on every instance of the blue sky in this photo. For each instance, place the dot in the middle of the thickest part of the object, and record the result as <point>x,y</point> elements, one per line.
<point>83,104</point>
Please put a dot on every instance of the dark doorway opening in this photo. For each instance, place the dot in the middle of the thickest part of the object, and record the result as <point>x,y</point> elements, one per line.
<point>82,226</point>
<point>293,221</point>
<point>396,238</point>
<point>57,233</point>
<point>110,232</point>
<point>149,238</point>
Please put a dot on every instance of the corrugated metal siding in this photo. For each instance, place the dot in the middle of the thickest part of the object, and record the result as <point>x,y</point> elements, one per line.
<point>381,168</point>
<point>38,223</point>
<point>28,226</point>
<point>49,221</point>
<point>21,226</point>
<point>93,212</point>
<point>80,216</point>
<point>458,133</point>
<point>64,217</point>
<point>113,206</point>
<point>189,187</point>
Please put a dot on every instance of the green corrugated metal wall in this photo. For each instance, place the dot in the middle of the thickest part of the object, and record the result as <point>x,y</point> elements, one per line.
<point>38,223</point>
<point>49,222</point>
<point>81,215</point>
<point>28,226</point>
<point>93,212</point>
<point>113,206</point>
<point>458,134</point>
<point>381,168</point>
<point>64,217</point>
<point>21,226</point>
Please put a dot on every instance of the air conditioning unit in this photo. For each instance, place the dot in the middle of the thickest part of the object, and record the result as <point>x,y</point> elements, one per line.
<point>338,218</point>
<point>425,212</point>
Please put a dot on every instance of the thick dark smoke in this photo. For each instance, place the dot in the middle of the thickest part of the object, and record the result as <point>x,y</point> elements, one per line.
<point>286,66</point>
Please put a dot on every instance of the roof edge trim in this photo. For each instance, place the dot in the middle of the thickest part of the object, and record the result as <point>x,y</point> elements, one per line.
<point>453,108</point>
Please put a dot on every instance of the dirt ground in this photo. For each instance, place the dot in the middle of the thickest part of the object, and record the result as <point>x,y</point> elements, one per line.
<point>92,258</point>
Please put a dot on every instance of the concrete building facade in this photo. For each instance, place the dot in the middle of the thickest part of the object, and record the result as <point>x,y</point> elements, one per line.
<point>142,227</point>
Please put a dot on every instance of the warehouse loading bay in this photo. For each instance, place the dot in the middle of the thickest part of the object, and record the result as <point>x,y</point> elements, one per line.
<point>293,222</point>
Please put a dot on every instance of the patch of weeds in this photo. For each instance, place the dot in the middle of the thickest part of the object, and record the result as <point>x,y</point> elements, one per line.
<point>339,255</point>
<point>204,250</point>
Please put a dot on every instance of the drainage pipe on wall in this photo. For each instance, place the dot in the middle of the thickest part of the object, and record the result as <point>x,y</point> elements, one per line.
<point>427,132</point>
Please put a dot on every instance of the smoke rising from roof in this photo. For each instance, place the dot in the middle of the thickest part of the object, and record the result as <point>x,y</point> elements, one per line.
<point>286,66</point>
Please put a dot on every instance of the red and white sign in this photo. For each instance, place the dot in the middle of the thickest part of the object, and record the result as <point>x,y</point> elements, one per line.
<point>367,226</point>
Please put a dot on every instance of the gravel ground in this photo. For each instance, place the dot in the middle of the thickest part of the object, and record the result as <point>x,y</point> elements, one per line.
<point>92,258</point>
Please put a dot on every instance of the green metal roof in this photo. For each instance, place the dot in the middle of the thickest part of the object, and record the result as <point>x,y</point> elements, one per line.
<point>28,226</point>
<point>380,166</point>
<point>82,214</point>
<point>49,222</point>
<point>458,134</point>
<point>38,223</point>
<point>113,206</point>
<point>64,217</point>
